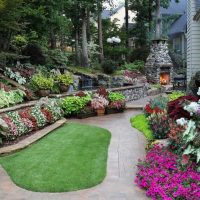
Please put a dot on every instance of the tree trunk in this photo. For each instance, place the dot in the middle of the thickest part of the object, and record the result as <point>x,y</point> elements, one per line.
<point>85,60</point>
<point>158,20</point>
<point>88,26</point>
<point>126,23</point>
<point>100,33</point>
<point>52,40</point>
<point>77,49</point>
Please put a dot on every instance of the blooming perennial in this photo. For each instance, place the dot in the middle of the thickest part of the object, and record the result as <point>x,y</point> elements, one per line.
<point>160,176</point>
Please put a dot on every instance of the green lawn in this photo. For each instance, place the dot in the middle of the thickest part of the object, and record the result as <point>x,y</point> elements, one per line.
<point>141,123</point>
<point>70,158</point>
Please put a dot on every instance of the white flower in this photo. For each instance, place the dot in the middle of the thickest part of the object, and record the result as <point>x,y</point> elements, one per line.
<point>198,93</point>
<point>182,121</point>
<point>192,108</point>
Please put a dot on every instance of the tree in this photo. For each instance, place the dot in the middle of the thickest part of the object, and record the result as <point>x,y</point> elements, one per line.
<point>10,14</point>
<point>126,21</point>
<point>145,10</point>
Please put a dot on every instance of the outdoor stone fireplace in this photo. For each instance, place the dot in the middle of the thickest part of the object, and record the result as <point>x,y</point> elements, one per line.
<point>159,66</point>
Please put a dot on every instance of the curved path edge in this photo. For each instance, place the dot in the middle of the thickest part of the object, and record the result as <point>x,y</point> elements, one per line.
<point>126,147</point>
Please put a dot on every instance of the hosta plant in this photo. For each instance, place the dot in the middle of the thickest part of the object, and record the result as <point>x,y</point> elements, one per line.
<point>15,76</point>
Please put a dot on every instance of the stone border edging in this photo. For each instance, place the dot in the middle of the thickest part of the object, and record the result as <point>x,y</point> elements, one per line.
<point>18,106</point>
<point>33,138</point>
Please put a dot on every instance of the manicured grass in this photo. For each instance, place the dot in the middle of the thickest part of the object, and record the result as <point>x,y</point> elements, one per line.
<point>70,158</point>
<point>141,123</point>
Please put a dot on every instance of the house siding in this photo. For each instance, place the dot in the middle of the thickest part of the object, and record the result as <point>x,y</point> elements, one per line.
<point>193,40</point>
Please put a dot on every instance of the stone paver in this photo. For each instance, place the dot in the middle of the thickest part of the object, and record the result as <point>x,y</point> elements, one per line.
<point>126,147</point>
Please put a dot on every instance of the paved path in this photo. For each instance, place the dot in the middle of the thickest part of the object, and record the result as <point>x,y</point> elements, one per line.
<point>127,146</point>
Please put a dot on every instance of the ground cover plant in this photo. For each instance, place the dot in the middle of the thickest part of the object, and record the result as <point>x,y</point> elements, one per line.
<point>70,158</point>
<point>141,123</point>
<point>11,97</point>
<point>161,176</point>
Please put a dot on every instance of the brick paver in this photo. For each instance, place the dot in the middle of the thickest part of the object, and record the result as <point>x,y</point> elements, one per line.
<point>126,147</point>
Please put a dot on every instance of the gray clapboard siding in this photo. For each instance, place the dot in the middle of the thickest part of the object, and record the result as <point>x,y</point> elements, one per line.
<point>193,39</point>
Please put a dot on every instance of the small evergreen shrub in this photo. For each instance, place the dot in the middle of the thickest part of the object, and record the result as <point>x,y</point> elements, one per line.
<point>108,66</point>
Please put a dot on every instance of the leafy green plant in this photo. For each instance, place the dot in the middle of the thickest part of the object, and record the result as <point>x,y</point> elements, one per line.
<point>137,65</point>
<point>160,102</point>
<point>41,82</point>
<point>15,76</point>
<point>65,79</point>
<point>141,123</point>
<point>175,95</point>
<point>74,104</point>
<point>190,142</point>
<point>159,123</point>
<point>116,96</point>
<point>11,98</point>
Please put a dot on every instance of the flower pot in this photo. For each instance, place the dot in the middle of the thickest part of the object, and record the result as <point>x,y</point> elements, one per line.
<point>114,110</point>
<point>43,93</point>
<point>64,88</point>
<point>100,112</point>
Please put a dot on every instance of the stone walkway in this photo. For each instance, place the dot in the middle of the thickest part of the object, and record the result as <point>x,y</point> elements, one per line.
<point>127,146</point>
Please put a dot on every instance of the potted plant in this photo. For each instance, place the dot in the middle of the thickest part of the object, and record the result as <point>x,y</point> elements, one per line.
<point>86,112</point>
<point>117,103</point>
<point>42,84</point>
<point>99,103</point>
<point>115,107</point>
<point>64,81</point>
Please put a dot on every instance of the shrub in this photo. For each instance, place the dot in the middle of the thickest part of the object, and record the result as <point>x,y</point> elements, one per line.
<point>137,65</point>
<point>74,104</point>
<point>41,82</point>
<point>175,95</point>
<point>116,96</point>
<point>141,123</point>
<point>65,79</point>
<point>175,108</point>
<point>161,176</point>
<point>159,124</point>
<point>108,66</point>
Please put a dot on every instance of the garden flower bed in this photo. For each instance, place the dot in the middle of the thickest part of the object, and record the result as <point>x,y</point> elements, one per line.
<point>19,123</point>
<point>171,171</point>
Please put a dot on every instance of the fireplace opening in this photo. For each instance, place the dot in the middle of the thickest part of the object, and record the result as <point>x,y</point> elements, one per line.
<point>164,78</point>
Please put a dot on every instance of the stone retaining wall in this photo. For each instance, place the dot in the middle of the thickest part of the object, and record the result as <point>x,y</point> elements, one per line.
<point>130,92</point>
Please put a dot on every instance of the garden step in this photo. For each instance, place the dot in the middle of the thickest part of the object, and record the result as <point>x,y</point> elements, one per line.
<point>133,106</point>
<point>17,107</point>
<point>33,138</point>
